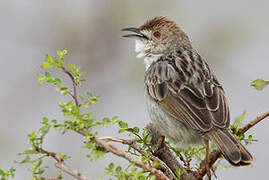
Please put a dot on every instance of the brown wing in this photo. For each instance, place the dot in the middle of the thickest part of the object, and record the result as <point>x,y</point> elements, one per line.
<point>192,98</point>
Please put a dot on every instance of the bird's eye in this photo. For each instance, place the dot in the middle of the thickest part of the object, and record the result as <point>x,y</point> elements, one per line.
<point>157,34</point>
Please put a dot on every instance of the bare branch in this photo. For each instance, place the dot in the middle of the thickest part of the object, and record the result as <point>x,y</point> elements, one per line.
<point>253,122</point>
<point>133,144</point>
<point>61,165</point>
<point>72,172</point>
<point>214,156</point>
<point>74,96</point>
<point>146,166</point>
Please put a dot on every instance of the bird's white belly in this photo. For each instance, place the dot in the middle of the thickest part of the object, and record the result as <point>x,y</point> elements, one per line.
<point>171,128</point>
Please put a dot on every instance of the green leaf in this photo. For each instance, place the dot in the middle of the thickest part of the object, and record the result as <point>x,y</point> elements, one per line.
<point>49,59</point>
<point>148,139</point>
<point>64,52</point>
<point>57,81</point>
<point>136,130</point>
<point>106,120</point>
<point>238,120</point>
<point>64,90</point>
<point>115,117</point>
<point>61,53</point>
<point>145,133</point>
<point>121,130</point>
<point>41,78</point>
<point>47,74</point>
<point>89,122</point>
<point>2,172</point>
<point>123,124</point>
<point>111,166</point>
<point>259,84</point>
<point>45,120</point>
<point>45,65</point>
<point>30,151</point>
<point>118,169</point>
<point>141,177</point>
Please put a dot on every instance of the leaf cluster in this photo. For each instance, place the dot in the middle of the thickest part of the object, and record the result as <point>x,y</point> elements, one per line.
<point>76,118</point>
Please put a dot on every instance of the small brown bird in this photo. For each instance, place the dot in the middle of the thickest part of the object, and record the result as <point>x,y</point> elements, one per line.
<point>184,99</point>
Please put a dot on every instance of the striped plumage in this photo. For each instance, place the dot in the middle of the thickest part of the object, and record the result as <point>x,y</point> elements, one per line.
<point>185,101</point>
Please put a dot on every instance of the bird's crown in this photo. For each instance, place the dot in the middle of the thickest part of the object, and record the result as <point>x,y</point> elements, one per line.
<point>158,22</point>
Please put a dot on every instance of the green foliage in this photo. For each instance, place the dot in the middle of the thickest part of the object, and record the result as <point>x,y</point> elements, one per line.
<point>131,172</point>
<point>76,118</point>
<point>4,175</point>
<point>237,125</point>
<point>259,84</point>
<point>238,121</point>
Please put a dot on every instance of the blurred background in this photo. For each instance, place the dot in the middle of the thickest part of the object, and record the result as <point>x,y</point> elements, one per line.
<point>231,35</point>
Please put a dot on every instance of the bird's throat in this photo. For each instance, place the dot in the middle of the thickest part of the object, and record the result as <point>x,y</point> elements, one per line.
<point>140,48</point>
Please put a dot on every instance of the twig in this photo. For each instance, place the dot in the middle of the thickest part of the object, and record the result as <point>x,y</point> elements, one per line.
<point>214,156</point>
<point>133,144</point>
<point>253,122</point>
<point>72,172</point>
<point>61,165</point>
<point>124,141</point>
<point>186,163</point>
<point>47,153</point>
<point>146,166</point>
<point>74,96</point>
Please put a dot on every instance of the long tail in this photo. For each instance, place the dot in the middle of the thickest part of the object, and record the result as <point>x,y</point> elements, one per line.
<point>231,148</point>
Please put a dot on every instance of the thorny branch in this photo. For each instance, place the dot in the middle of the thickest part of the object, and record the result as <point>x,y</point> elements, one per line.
<point>170,160</point>
<point>146,166</point>
<point>61,165</point>
<point>253,122</point>
<point>132,144</point>
<point>164,153</point>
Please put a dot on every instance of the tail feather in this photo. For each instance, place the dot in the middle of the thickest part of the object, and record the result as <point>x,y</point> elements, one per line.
<point>231,148</point>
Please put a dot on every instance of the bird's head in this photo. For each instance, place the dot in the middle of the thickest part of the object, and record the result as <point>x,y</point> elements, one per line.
<point>157,36</point>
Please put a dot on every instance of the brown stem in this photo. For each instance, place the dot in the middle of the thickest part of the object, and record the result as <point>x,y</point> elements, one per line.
<point>61,165</point>
<point>253,122</point>
<point>214,156</point>
<point>106,147</point>
<point>133,144</point>
<point>74,95</point>
<point>144,165</point>
<point>72,172</point>
<point>167,156</point>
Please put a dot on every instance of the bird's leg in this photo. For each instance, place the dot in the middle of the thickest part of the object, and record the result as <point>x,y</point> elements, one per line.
<point>160,141</point>
<point>207,160</point>
<point>159,144</point>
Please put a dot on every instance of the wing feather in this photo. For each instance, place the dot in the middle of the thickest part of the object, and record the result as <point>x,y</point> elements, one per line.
<point>201,106</point>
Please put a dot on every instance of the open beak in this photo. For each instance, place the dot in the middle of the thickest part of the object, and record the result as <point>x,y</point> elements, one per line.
<point>136,33</point>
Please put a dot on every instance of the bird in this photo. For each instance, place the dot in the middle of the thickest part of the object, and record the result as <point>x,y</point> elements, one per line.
<point>184,99</point>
